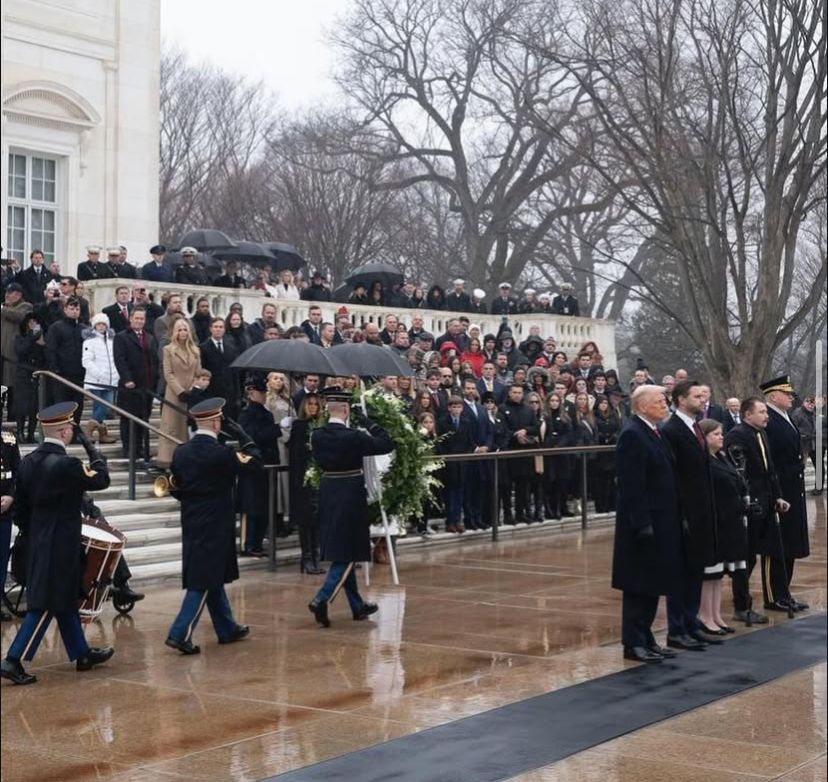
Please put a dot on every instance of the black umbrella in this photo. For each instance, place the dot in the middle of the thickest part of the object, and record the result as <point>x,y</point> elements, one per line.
<point>246,252</point>
<point>206,239</point>
<point>373,272</point>
<point>341,294</point>
<point>360,358</point>
<point>287,256</point>
<point>286,355</point>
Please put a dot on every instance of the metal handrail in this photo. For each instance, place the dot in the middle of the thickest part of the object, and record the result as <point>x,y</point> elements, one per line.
<point>134,420</point>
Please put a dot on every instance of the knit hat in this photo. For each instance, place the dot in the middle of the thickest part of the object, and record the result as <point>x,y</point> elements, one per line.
<point>101,317</point>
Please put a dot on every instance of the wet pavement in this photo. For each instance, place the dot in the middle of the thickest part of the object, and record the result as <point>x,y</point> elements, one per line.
<point>472,627</point>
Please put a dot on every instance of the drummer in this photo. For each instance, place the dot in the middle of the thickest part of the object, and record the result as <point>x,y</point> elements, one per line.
<point>47,509</point>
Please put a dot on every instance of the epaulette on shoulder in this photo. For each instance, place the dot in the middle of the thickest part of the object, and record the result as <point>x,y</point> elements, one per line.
<point>9,438</point>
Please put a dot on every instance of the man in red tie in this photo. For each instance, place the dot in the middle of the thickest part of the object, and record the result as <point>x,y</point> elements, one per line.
<point>118,313</point>
<point>136,358</point>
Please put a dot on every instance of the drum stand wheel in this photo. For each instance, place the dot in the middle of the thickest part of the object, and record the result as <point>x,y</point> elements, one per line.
<point>122,607</point>
<point>14,599</point>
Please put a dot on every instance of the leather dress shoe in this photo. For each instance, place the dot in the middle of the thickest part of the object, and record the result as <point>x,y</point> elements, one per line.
<point>185,647</point>
<point>750,615</point>
<point>126,594</point>
<point>13,671</point>
<point>715,630</point>
<point>704,638</point>
<point>641,654</point>
<point>727,628</point>
<point>685,642</point>
<point>663,651</point>
<point>319,608</point>
<point>93,657</point>
<point>777,605</point>
<point>241,631</point>
<point>798,605</point>
<point>365,611</point>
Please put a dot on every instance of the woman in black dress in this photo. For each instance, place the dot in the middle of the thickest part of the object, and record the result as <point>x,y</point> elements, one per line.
<point>303,501</point>
<point>729,493</point>
<point>607,427</point>
<point>557,469</point>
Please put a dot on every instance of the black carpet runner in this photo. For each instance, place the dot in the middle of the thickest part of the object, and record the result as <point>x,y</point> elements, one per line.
<point>532,733</point>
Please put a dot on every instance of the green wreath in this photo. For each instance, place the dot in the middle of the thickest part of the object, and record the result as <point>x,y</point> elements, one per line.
<point>410,482</point>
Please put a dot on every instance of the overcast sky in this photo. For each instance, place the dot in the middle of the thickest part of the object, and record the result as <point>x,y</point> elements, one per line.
<point>279,41</point>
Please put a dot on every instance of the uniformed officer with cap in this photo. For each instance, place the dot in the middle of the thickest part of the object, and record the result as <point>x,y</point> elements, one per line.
<point>458,300</point>
<point>257,421</point>
<point>93,268</point>
<point>47,509</point>
<point>343,501</point>
<point>190,272</point>
<point>786,451</point>
<point>202,475</point>
<point>157,270</point>
<point>505,303</point>
<point>9,465</point>
<point>565,303</point>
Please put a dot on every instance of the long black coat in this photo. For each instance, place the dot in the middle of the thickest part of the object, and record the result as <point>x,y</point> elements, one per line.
<point>519,417</point>
<point>134,364</point>
<point>204,472</point>
<point>558,435</point>
<point>343,504</point>
<point>695,484</point>
<point>34,284</point>
<point>30,357</point>
<point>301,497</point>
<point>647,496</point>
<point>729,490</point>
<point>47,509</point>
<point>786,448</point>
<point>764,487</point>
<point>64,349</point>
<point>258,422</point>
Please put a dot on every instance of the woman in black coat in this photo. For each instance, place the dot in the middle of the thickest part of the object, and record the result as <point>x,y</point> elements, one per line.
<point>237,332</point>
<point>607,427</point>
<point>729,493</point>
<point>303,499</point>
<point>557,469</point>
<point>435,298</point>
<point>491,469</point>
<point>30,354</point>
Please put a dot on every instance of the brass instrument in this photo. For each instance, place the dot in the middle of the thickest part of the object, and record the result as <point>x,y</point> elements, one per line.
<point>162,484</point>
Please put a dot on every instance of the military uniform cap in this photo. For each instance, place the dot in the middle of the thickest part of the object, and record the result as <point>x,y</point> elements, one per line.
<point>505,285</point>
<point>93,248</point>
<point>208,409</point>
<point>61,413</point>
<point>113,250</point>
<point>158,249</point>
<point>781,383</point>
<point>458,281</point>
<point>189,251</point>
<point>336,394</point>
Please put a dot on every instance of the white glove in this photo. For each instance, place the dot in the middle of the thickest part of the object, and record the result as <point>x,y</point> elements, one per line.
<point>286,422</point>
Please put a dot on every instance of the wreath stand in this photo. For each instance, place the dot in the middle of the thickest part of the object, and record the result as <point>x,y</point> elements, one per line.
<point>392,559</point>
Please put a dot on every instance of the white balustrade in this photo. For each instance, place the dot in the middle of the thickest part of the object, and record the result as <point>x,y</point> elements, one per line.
<point>569,333</point>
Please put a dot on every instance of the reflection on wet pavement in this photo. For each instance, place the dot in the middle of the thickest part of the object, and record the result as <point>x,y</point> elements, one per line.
<point>472,627</point>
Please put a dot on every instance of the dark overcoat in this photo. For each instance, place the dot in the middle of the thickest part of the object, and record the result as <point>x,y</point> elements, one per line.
<point>517,417</point>
<point>457,441</point>
<point>558,435</point>
<point>204,472</point>
<point>786,448</point>
<point>647,495</point>
<point>47,509</point>
<point>763,485</point>
<point>258,422</point>
<point>31,356</point>
<point>729,491</point>
<point>695,486</point>
<point>343,502</point>
<point>224,380</point>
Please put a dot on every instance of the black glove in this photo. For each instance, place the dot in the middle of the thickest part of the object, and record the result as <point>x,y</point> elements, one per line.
<point>358,418</point>
<point>183,397</point>
<point>375,430</point>
<point>645,534</point>
<point>87,444</point>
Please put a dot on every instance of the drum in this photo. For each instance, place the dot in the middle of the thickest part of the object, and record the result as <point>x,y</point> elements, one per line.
<point>102,547</point>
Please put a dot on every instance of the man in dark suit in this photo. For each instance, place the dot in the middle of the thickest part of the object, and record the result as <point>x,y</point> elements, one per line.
<point>457,432</point>
<point>310,385</point>
<point>458,300</point>
<point>565,303</point>
<point>203,474</point>
<point>157,270</point>
<point>709,409</point>
<point>231,277</point>
<point>697,512</point>
<point>118,313</point>
<point>524,429</point>
<point>732,416</point>
<point>136,359</point>
<point>34,279</point>
<point>483,439</point>
<point>93,268</point>
<point>786,452</point>
<point>647,554</point>
<point>439,396</point>
<point>312,326</point>
<point>748,443</point>
<point>217,354</point>
<point>488,382</point>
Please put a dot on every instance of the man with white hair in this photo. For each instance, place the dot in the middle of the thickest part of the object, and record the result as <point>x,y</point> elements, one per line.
<point>343,501</point>
<point>647,556</point>
<point>458,300</point>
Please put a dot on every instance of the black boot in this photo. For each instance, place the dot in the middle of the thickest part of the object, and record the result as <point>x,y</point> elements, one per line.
<point>317,570</point>
<point>306,562</point>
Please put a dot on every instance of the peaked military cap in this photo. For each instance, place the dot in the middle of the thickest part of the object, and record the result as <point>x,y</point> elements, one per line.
<point>781,383</point>
<point>158,249</point>
<point>336,394</point>
<point>208,409</point>
<point>61,413</point>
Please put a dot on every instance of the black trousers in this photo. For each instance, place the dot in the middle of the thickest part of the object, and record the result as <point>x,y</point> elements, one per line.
<point>139,403</point>
<point>61,393</point>
<point>740,583</point>
<point>637,616</point>
<point>776,579</point>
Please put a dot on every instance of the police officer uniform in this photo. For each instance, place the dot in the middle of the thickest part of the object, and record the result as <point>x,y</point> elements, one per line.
<point>257,422</point>
<point>786,450</point>
<point>343,505</point>
<point>47,509</point>
<point>9,465</point>
<point>202,476</point>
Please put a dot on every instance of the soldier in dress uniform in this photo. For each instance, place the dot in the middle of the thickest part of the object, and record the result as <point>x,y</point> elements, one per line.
<point>202,475</point>
<point>47,509</point>
<point>343,501</point>
<point>9,464</point>
<point>785,446</point>
<point>257,421</point>
<point>93,268</point>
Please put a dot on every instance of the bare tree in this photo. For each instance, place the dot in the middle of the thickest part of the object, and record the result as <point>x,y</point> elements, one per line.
<point>450,91</point>
<point>715,112</point>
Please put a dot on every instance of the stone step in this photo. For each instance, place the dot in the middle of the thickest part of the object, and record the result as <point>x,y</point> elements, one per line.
<point>139,521</point>
<point>114,509</point>
<point>120,491</point>
<point>147,536</point>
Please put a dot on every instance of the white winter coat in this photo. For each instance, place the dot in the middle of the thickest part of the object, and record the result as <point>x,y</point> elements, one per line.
<point>98,360</point>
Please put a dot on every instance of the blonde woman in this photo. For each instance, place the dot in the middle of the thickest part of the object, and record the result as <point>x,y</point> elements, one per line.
<point>181,360</point>
<point>286,290</point>
<point>278,403</point>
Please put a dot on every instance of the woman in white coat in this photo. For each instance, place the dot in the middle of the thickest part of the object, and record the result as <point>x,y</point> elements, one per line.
<point>101,376</point>
<point>286,290</point>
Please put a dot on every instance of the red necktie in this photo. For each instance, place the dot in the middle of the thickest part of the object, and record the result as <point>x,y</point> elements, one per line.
<point>699,436</point>
<point>657,432</point>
